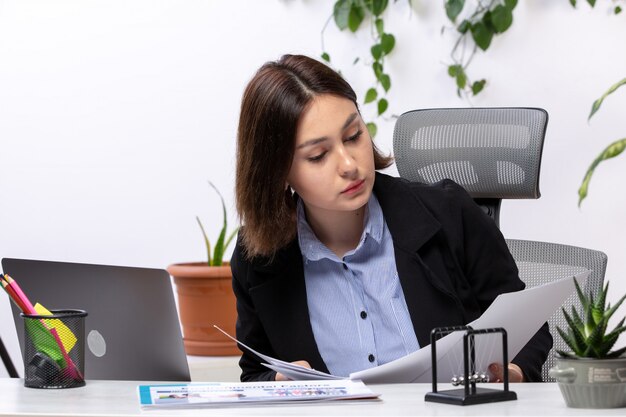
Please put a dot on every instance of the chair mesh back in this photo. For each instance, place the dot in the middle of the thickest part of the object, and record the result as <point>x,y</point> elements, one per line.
<point>491,152</point>
<point>542,262</point>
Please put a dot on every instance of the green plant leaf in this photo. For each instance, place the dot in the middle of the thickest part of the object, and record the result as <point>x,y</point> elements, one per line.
<point>385,81</point>
<point>478,86</point>
<point>482,35</point>
<point>486,19</point>
<point>454,8</point>
<point>578,321</point>
<point>576,337</point>
<point>376,7</point>
<point>382,106</point>
<point>598,309</point>
<point>592,3</point>
<point>218,250</point>
<point>453,70</point>
<point>464,26</point>
<point>596,104</point>
<point>356,16</point>
<point>510,4</point>
<point>569,340</point>
<point>387,41</point>
<point>616,353</point>
<point>326,57</point>
<point>612,310</point>
<point>377,51</point>
<point>581,296</point>
<point>607,344</point>
<point>206,241</point>
<point>371,95</point>
<point>231,237</point>
<point>461,79</point>
<point>611,151</point>
<point>594,340</point>
<point>572,2</point>
<point>566,354</point>
<point>378,69</point>
<point>502,18</point>
<point>380,26</point>
<point>617,10</point>
<point>372,129</point>
<point>341,13</point>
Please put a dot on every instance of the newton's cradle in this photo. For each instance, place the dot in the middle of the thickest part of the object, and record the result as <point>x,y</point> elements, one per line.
<point>470,394</point>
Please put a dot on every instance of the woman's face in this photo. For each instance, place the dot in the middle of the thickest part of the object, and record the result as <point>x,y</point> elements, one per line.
<point>333,163</point>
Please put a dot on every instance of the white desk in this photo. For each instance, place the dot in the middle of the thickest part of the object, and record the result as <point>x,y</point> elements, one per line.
<point>115,398</point>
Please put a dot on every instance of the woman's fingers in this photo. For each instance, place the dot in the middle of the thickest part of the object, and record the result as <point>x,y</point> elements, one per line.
<point>497,373</point>
<point>281,377</point>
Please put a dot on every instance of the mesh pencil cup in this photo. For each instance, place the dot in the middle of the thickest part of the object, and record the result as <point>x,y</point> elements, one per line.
<point>54,349</point>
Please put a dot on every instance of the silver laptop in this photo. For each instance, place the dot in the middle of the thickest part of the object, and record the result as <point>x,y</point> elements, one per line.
<point>132,327</point>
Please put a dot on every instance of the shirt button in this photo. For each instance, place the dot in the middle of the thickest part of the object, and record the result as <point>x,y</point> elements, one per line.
<point>371,358</point>
<point>345,267</point>
<point>363,315</point>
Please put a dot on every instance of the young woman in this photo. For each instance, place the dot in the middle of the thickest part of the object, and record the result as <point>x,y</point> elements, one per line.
<point>337,266</point>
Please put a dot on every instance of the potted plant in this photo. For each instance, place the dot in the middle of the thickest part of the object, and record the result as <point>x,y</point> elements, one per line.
<point>592,375</point>
<point>205,297</point>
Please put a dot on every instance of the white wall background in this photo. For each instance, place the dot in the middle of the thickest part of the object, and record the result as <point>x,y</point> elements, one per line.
<point>114,114</point>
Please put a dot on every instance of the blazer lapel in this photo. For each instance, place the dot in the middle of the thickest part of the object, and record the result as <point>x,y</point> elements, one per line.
<point>414,229</point>
<point>282,304</point>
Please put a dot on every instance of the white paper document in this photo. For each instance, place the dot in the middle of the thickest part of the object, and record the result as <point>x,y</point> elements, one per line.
<point>520,313</point>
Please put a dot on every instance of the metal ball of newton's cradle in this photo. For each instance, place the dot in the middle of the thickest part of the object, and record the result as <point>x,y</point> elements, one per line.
<point>476,377</point>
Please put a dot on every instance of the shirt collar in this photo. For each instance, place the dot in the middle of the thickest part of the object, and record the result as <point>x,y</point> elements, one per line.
<point>313,250</point>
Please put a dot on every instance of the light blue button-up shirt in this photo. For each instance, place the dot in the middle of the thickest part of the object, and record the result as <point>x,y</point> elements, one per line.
<point>356,305</point>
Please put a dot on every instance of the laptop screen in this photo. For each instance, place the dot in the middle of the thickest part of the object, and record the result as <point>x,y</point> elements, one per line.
<point>132,326</point>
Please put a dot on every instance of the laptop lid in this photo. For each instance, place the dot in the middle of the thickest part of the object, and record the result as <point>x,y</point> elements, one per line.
<point>132,326</point>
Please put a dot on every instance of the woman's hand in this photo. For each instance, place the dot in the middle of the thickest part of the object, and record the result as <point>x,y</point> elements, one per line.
<point>281,377</point>
<point>497,373</point>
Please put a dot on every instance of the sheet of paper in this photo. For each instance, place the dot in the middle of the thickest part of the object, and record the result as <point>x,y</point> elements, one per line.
<point>521,313</point>
<point>290,370</point>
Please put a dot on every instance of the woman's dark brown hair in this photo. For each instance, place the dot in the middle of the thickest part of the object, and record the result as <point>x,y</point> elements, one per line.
<point>272,103</point>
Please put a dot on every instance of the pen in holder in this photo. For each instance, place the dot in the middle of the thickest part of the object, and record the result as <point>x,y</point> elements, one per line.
<point>54,349</point>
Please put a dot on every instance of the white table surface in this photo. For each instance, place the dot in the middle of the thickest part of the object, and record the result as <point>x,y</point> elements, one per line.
<point>119,398</point>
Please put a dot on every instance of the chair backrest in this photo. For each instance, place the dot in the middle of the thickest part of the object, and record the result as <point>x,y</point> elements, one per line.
<point>542,262</point>
<point>494,153</point>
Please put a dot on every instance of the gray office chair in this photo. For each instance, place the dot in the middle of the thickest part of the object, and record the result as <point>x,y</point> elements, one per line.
<point>542,262</point>
<point>494,153</point>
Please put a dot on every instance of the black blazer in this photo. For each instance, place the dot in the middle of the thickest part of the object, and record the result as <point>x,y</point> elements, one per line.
<point>451,259</point>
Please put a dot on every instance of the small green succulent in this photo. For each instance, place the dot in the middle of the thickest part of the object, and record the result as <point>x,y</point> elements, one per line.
<point>222,243</point>
<point>588,338</point>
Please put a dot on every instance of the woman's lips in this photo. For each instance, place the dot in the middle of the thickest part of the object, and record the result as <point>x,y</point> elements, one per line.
<point>354,187</point>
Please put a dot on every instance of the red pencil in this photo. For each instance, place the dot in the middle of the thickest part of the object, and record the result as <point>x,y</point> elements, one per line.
<point>12,295</point>
<point>29,309</point>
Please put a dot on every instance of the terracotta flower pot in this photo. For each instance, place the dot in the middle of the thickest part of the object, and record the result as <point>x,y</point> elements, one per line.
<point>205,298</point>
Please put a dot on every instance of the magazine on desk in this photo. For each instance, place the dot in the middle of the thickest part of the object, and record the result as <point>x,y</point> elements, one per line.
<point>222,394</point>
<point>510,311</point>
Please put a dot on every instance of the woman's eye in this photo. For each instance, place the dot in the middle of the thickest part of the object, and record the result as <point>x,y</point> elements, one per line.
<point>355,137</point>
<point>317,158</point>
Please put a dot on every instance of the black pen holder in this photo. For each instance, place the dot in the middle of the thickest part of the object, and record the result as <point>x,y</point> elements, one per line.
<point>54,349</point>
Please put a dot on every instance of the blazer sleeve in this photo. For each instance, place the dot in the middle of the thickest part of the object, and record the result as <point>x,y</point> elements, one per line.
<point>491,270</point>
<point>249,328</point>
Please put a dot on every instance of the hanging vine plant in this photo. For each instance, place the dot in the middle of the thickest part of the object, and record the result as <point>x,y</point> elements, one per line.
<point>350,14</point>
<point>476,24</point>
<point>485,20</point>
